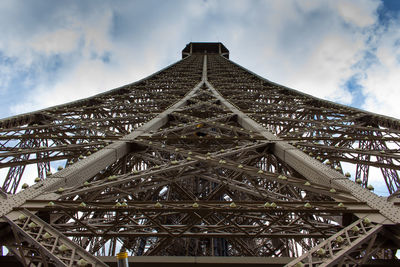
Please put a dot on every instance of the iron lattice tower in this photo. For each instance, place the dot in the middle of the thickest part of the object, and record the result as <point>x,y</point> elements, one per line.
<point>203,158</point>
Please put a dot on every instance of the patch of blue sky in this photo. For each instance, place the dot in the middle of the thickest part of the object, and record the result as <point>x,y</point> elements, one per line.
<point>17,88</point>
<point>138,19</point>
<point>388,10</point>
<point>304,32</point>
<point>52,63</point>
<point>6,72</point>
<point>391,5</point>
<point>118,26</point>
<point>23,79</point>
<point>368,59</point>
<point>6,60</point>
<point>105,57</point>
<point>352,84</point>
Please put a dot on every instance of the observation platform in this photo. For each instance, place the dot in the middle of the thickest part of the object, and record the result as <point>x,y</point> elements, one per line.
<point>205,48</point>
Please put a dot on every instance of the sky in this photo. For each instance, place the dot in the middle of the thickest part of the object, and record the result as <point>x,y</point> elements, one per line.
<point>54,51</point>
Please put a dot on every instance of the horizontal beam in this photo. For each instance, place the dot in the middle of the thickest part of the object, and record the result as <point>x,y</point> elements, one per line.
<point>172,261</point>
<point>177,234</point>
<point>159,261</point>
<point>216,206</point>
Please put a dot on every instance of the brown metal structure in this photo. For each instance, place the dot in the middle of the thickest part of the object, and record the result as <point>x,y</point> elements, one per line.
<point>200,160</point>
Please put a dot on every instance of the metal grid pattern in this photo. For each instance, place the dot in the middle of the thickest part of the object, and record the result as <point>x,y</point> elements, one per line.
<point>203,158</point>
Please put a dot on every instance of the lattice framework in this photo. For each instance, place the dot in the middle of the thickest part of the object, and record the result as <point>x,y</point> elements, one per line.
<point>203,158</point>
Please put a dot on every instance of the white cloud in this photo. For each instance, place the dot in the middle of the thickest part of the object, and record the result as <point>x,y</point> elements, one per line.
<point>328,68</point>
<point>88,77</point>
<point>86,73</point>
<point>307,45</point>
<point>60,41</point>
<point>381,80</point>
<point>358,12</point>
<point>309,48</point>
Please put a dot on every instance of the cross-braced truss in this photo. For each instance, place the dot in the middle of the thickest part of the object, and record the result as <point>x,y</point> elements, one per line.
<point>203,158</point>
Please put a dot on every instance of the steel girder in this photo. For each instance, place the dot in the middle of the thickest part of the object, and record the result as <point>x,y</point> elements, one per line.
<point>203,158</point>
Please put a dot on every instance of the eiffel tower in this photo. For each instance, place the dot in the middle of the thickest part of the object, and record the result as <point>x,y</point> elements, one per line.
<point>203,163</point>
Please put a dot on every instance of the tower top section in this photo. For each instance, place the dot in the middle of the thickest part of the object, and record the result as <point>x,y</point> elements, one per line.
<point>205,48</point>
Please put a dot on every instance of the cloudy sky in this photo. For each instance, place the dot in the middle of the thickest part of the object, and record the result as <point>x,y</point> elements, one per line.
<point>54,51</point>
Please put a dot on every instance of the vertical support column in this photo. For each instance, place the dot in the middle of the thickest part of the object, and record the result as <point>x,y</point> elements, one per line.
<point>204,76</point>
<point>122,258</point>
